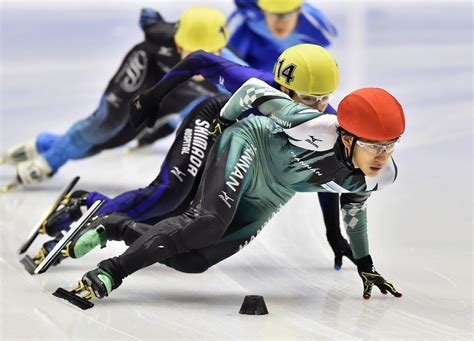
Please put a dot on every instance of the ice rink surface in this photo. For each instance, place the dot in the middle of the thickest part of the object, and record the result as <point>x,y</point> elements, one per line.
<point>56,59</point>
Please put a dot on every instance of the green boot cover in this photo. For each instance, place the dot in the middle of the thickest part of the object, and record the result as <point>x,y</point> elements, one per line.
<point>88,241</point>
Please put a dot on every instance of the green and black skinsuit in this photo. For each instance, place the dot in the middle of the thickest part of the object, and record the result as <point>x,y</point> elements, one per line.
<point>256,166</point>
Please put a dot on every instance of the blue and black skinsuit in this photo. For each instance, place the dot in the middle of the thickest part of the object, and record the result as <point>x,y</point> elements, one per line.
<point>253,169</point>
<point>254,42</point>
<point>175,185</point>
<point>108,127</point>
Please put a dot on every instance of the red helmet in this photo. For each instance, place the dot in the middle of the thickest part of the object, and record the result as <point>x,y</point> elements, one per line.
<point>372,114</point>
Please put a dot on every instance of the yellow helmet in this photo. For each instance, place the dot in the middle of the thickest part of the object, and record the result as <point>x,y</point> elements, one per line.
<point>279,6</point>
<point>202,28</point>
<point>307,69</point>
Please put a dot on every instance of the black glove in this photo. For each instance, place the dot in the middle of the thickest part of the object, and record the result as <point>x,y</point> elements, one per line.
<point>149,136</point>
<point>371,277</point>
<point>68,213</point>
<point>219,125</point>
<point>341,248</point>
<point>144,110</point>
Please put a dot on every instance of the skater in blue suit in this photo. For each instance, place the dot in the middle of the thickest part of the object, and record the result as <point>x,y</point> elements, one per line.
<point>262,29</point>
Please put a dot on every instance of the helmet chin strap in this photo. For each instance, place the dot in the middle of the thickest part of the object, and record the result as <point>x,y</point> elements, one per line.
<point>348,158</point>
<point>351,152</point>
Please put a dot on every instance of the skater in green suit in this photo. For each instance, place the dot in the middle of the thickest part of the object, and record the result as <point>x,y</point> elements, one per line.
<point>255,167</point>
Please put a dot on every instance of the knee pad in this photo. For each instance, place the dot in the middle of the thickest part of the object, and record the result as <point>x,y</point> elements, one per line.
<point>202,231</point>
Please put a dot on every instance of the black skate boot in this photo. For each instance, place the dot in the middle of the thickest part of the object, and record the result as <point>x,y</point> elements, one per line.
<point>114,226</point>
<point>98,283</point>
<point>65,215</point>
<point>94,284</point>
<point>46,249</point>
<point>30,264</point>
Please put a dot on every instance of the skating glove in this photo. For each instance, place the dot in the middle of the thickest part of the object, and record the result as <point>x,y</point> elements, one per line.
<point>371,277</point>
<point>144,110</point>
<point>154,134</point>
<point>149,17</point>
<point>219,125</point>
<point>341,248</point>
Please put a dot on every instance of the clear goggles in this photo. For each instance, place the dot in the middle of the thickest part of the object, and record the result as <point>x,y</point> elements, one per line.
<point>378,148</point>
<point>314,99</point>
<point>283,16</point>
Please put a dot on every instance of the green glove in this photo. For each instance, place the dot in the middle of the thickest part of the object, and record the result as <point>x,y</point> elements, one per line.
<point>219,125</point>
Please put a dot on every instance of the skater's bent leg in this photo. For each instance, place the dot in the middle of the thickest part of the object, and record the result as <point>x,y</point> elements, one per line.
<point>192,262</point>
<point>207,220</point>
<point>243,229</point>
<point>107,121</point>
<point>165,240</point>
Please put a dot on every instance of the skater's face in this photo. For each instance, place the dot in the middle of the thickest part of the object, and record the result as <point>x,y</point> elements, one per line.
<point>369,156</point>
<point>281,25</point>
<point>319,103</point>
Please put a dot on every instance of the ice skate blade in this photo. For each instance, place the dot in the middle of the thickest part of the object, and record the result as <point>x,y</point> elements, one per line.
<point>73,299</point>
<point>75,227</point>
<point>134,149</point>
<point>29,264</point>
<point>9,187</point>
<point>37,229</point>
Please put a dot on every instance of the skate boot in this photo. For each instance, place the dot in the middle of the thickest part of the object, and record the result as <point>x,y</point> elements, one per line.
<point>97,283</point>
<point>19,153</point>
<point>30,172</point>
<point>88,239</point>
<point>70,211</point>
<point>97,232</point>
<point>31,264</point>
<point>46,249</point>
<point>34,170</point>
<point>91,236</point>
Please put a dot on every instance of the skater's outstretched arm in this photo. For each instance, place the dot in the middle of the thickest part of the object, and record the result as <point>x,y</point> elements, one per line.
<point>256,94</point>
<point>217,69</point>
